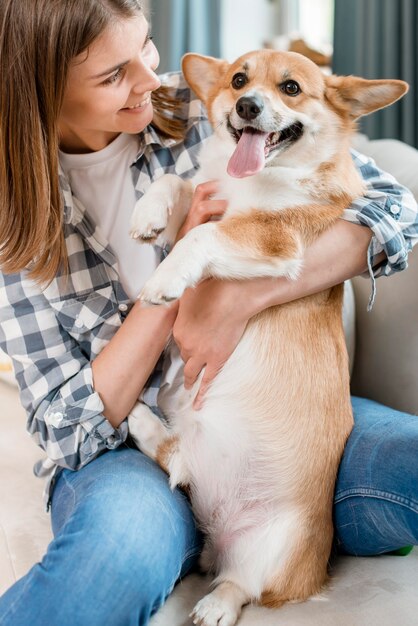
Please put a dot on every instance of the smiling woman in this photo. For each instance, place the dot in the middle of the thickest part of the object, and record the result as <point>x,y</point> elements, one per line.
<point>60,91</point>
<point>103,95</point>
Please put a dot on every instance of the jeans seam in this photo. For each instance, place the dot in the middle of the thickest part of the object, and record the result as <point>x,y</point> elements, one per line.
<point>376,493</point>
<point>74,496</point>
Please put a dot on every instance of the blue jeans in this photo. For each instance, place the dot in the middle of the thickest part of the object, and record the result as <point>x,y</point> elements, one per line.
<point>122,539</point>
<point>376,495</point>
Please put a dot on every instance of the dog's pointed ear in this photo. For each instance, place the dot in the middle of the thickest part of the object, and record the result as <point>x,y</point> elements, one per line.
<point>359,96</point>
<point>202,73</point>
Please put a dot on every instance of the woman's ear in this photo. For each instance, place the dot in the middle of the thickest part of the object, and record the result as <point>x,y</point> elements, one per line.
<point>359,96</point>
<point>202,73</point>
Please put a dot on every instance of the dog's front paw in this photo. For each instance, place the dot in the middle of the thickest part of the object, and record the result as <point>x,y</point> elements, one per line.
<point>181,269</point>
<point>149,219</point>
<point>163,287</point>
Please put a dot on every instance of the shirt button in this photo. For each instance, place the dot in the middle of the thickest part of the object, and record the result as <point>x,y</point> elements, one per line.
<point>394,209</point>
<point>79,323</point>
<point>123,307</point>
<point>55,419</point>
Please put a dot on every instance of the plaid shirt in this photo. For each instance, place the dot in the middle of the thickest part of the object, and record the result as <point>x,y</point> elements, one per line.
<point>53,333</point>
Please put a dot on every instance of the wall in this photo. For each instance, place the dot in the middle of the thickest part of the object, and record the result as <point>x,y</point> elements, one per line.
<point>246,25</point>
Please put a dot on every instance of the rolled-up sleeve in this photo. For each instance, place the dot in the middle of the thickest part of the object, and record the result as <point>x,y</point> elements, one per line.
<point>54,374</point>
<point>390,211</point>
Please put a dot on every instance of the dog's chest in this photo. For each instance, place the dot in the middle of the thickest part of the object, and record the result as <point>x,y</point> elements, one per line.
<point>273,188</point>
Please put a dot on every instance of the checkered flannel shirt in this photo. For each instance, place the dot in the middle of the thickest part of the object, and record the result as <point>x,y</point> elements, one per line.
<point>54,332</point>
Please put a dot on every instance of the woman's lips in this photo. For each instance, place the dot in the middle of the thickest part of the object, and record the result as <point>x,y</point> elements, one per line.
<point>135,108</point>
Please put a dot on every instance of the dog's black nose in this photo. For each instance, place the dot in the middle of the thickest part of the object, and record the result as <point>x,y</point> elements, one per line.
<point>249,107</point>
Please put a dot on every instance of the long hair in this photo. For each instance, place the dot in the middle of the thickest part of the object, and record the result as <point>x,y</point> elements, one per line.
<point>38,40</point>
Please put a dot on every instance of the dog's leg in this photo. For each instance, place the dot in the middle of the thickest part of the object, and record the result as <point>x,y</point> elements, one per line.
<point>171,459</point>
<point>242,246</point>
<point>147,430</point>
<point>157,442</point>
<point>283,560</point>
<point>305,572</point>
<point>221,607</point>
<point>161,210</point>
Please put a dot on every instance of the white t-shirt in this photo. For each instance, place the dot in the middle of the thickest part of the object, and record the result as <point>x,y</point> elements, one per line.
<point>102,181</point>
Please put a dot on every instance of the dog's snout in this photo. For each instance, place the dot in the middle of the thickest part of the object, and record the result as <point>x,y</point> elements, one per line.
<point>248,108</point>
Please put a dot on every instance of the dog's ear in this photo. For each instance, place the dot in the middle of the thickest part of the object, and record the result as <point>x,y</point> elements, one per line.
<point>359,96</point>
<point>202,73</point>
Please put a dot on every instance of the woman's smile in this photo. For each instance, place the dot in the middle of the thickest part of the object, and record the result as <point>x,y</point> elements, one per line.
<point>139,106</point>
<point>109,89</point>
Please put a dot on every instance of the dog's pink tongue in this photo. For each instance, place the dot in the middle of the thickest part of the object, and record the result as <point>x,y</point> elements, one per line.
<point>248,157</point>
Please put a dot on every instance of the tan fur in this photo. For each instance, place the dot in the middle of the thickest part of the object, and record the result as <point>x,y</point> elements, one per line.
<point>165,452</point>
<point>310,335</point>
<point>280,234</point>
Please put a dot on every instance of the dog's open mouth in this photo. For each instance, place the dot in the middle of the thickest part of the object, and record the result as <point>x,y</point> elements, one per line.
<point>253,146</point>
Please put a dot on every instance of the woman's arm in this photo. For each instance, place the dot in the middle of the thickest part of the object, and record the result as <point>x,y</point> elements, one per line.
<point>56,344</point>
<point>390,211</point>
<point>122,368</point>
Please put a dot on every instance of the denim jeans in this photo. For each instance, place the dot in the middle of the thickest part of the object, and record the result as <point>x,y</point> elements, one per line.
<point>122,539</point>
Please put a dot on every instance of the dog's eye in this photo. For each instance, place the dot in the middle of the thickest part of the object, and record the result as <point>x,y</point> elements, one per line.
<point>290,88</point>
<point>239,80</point>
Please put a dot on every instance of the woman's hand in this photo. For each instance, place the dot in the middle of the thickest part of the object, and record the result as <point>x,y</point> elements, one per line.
<point>210,322</point>
<point>203,207</point>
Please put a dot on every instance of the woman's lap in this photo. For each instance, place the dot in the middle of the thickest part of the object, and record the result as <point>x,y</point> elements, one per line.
<point>122,538</point>
<point>376,496</point>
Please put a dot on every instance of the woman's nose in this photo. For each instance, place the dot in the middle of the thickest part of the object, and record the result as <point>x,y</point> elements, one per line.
<point>147,79</point>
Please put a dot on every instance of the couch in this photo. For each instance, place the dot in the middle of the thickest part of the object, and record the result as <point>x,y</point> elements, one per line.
<point>378,590</point>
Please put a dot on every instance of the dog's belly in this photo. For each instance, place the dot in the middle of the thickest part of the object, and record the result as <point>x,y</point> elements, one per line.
<point>266,437</point>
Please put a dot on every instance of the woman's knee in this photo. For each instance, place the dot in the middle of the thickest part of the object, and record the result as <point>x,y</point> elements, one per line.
<point>127,531</point>
<point>376,499</point>
<point>381,452</point>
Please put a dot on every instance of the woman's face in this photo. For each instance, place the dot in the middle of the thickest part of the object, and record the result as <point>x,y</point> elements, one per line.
<point>109,88</point>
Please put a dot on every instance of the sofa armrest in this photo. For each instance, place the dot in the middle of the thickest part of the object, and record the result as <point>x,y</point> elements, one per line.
<point>386,356</point>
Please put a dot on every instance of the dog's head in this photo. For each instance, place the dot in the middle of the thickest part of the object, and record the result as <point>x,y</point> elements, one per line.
<point>271,106</point>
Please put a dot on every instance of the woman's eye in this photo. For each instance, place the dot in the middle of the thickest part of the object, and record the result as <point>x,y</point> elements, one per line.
<point>290,88</point>
<point>114,77</point>
<point>239,80</point>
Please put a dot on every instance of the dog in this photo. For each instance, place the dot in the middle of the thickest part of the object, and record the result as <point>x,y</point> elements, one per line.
<point>261,456</point>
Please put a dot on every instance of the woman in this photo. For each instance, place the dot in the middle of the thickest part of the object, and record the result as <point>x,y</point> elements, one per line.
<point>77,150</point>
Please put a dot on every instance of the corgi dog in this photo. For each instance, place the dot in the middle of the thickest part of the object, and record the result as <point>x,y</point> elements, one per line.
<point>260,458</point>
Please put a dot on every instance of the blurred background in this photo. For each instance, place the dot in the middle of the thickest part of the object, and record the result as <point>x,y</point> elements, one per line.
<point>369,38</point>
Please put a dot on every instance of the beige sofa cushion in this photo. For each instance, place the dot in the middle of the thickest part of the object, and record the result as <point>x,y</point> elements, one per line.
<point>387,338</point>
<point>386,363</point>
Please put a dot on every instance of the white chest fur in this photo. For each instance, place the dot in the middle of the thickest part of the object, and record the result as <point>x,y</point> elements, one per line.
<point>273,188</point>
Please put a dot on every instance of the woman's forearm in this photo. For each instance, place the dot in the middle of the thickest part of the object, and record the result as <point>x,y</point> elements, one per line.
<point>337,255</point>
<point>124,365</point>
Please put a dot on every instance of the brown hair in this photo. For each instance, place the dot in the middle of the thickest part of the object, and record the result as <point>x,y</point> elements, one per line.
<point>38,40</point>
